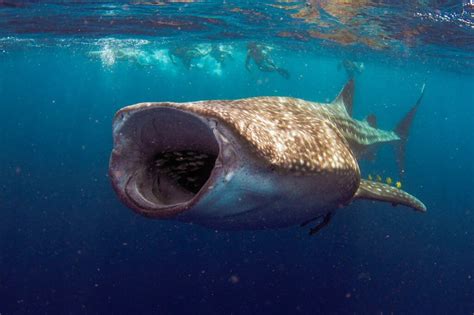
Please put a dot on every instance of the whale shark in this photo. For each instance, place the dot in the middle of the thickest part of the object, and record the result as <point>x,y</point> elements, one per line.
<point>253,163</point>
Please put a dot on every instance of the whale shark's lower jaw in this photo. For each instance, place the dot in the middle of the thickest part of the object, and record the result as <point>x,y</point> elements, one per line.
<point>165,160</point>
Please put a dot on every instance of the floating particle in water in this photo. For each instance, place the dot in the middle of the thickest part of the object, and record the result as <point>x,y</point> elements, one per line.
<point>364,276</point>
<point>234,279</point>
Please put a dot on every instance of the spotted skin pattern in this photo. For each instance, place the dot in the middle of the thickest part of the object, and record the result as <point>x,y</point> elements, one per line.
<point>285,132</point>
<point>293,134</point>
<point>302,139</point>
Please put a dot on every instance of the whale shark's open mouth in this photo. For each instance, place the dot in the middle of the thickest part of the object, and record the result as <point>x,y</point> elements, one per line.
<point>163,159</point>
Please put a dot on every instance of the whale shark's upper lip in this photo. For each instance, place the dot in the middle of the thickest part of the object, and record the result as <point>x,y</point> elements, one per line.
<point>165,159</point>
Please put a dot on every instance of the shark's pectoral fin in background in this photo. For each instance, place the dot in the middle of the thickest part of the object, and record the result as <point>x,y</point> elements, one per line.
<point>402,130</point>
<point>382,192</point>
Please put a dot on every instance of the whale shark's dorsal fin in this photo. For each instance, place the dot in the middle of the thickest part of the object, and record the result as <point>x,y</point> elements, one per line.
<point>343,101</point>
<point>383,192</point>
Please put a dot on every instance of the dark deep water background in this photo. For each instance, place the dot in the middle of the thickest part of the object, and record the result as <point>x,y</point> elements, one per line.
<point>68,246</point>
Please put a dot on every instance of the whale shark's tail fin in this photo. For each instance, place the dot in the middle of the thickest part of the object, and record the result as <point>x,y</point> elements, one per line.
<point>344,100</point>
<point>402,130</point>
<point>283,72</point>
<point>383,192</point>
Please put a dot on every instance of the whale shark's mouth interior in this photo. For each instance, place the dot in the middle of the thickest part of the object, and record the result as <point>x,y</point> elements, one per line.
<point>170,156</point>
<point>189,170</point>
<point>179,175</point>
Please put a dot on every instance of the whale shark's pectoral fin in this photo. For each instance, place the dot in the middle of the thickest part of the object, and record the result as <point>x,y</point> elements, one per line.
<point>325,221</point>
<point>383,192</point>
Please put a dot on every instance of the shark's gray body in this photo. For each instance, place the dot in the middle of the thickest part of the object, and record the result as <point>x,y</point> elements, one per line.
<point>253,163</point>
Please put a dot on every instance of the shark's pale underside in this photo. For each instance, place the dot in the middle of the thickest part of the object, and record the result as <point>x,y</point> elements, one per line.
<point>254,163</point>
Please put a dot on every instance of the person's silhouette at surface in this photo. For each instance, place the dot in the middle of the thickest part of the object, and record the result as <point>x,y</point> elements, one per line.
<point>261,57</point>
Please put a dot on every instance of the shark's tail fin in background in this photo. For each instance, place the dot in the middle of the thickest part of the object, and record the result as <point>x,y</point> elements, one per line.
<point>283,72</point>
<point>402,130</point>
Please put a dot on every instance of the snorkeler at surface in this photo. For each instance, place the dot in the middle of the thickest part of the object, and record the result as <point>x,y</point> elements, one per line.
<point>187,53</point>
<point>109,55</point>
<point>261,56</point>
<point>352,67</point>
<point>221,53</point>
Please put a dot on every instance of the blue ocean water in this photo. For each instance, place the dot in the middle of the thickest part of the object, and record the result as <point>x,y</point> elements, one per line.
<point>69,246</point>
